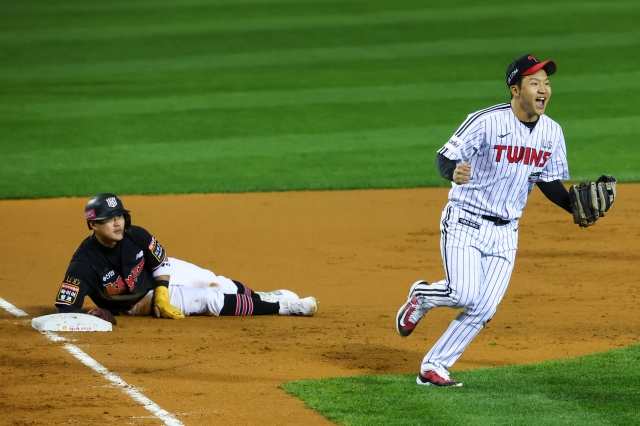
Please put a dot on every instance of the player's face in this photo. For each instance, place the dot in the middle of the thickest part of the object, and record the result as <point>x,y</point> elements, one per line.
<point>109,231</point>
<point>533,96</point>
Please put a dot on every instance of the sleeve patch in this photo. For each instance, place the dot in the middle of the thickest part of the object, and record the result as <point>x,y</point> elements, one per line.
<point>68,293</point>
<point>156,250</point>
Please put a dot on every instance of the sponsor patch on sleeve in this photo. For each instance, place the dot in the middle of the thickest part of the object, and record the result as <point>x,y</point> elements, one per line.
<point>68,293</point>
<point>156,250</point>
<point>453,144</point>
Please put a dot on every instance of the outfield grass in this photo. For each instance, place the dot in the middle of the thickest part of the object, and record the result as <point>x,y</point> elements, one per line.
<point>180,96</point>
<point>599,389</point>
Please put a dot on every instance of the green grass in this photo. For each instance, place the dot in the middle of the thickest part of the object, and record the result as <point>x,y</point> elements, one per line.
<point>599,389</point>
<point>180,96</point>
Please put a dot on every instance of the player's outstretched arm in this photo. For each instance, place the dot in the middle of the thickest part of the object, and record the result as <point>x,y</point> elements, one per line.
<point>96,312</point>
<point>590,201</point>
<point>556,193</point>
<point>161,305</point>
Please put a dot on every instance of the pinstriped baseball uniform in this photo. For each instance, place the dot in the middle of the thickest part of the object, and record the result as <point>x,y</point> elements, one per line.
<point>507,159</point>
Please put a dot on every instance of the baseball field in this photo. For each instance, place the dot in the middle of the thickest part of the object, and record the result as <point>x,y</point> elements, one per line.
<point>291,144</point>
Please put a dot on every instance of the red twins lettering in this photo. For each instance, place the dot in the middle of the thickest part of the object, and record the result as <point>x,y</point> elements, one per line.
<point>515,154</point>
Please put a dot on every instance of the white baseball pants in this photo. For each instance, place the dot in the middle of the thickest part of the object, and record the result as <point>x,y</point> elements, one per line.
<point>478,259</point>
<point>193,290</point>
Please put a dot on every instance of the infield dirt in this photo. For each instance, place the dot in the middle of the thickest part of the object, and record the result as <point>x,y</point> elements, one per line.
<point>574,291</point>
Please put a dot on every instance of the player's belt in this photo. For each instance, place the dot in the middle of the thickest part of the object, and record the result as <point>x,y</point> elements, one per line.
<point>496,220</point>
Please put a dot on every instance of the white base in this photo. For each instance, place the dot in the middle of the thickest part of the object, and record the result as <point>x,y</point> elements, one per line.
<point>70,322</point>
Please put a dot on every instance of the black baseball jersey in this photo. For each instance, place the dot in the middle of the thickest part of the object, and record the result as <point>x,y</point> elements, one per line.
<point>114,278</point>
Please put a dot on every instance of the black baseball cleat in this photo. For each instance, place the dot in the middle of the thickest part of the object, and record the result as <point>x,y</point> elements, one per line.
<point>410,314</point>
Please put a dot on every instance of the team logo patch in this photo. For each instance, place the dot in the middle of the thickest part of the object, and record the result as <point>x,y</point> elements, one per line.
<point>68,293</point>
<point>90,214</point>
<point>534,177</point>
<point>156,249</point>
<point>468,222</point>
<point>112,202</point>
<point>158,252</point>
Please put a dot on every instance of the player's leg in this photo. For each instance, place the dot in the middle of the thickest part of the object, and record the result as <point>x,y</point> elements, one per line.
<point>188,274</point>
<point>461,247</point>
<point>242,304</point>
<point>212,301</point>
<point>465,327</point>
<point>461,257</point>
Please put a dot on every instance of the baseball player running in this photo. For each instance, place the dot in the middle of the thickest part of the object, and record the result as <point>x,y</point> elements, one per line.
<point>124,270</point>
<point>494,159</point>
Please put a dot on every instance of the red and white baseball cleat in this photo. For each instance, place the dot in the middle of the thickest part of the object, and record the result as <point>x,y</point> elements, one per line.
<point>410,313</point>
<point>436,378</point>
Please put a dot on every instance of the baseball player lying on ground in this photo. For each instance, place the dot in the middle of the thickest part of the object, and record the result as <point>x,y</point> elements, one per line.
<point>124,270</point>
<point>494,160</point>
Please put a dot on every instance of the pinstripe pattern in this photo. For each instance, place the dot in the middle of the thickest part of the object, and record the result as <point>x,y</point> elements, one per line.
<point>507,159</point>
<point>480,265</point>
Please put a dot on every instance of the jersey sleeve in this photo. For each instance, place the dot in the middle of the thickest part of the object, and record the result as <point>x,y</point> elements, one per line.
<point>155,256</point>
<point>75,286</point>
<point>557,166</point>
<point>465,142</point>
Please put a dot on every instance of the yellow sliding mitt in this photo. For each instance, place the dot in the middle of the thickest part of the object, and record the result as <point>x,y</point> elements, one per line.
<point>161,305</point>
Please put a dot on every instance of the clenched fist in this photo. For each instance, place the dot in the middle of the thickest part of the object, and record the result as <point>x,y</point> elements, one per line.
<point>462,173</point>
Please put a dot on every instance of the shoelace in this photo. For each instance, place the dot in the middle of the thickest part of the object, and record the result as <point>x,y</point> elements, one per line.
<point>416,315</point>
<point>443,373</point>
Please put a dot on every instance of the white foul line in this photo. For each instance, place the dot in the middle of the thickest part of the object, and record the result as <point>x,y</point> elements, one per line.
<point>154,408</point>
<point>151,406</point>
<point>12,309</point>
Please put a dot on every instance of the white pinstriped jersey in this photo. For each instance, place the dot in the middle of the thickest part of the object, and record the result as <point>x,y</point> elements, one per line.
<point>507,159</point>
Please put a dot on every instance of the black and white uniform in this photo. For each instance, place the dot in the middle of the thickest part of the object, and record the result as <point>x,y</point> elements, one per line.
<point>121,279</point>
<point>479,225</point>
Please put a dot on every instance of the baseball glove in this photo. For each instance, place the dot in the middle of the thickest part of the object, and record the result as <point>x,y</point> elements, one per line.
<point>591,200</point>
<point>162,307</point>
<point>103,314</point>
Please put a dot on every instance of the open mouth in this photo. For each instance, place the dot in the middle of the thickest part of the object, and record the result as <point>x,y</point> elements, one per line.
<point>541,101</point>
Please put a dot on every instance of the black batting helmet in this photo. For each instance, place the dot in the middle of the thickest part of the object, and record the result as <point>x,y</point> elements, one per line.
<point>106,206</point>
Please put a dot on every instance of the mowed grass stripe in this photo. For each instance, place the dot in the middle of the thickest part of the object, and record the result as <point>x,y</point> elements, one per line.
<point>62,7</point>
<point>389,158</point>
<point>573,43</point>
<point>110,32</point>
<point>589,83</point>
<point>430,137</point>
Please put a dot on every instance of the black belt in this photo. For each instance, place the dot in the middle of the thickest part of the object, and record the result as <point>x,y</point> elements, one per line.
<point>496,220</point>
